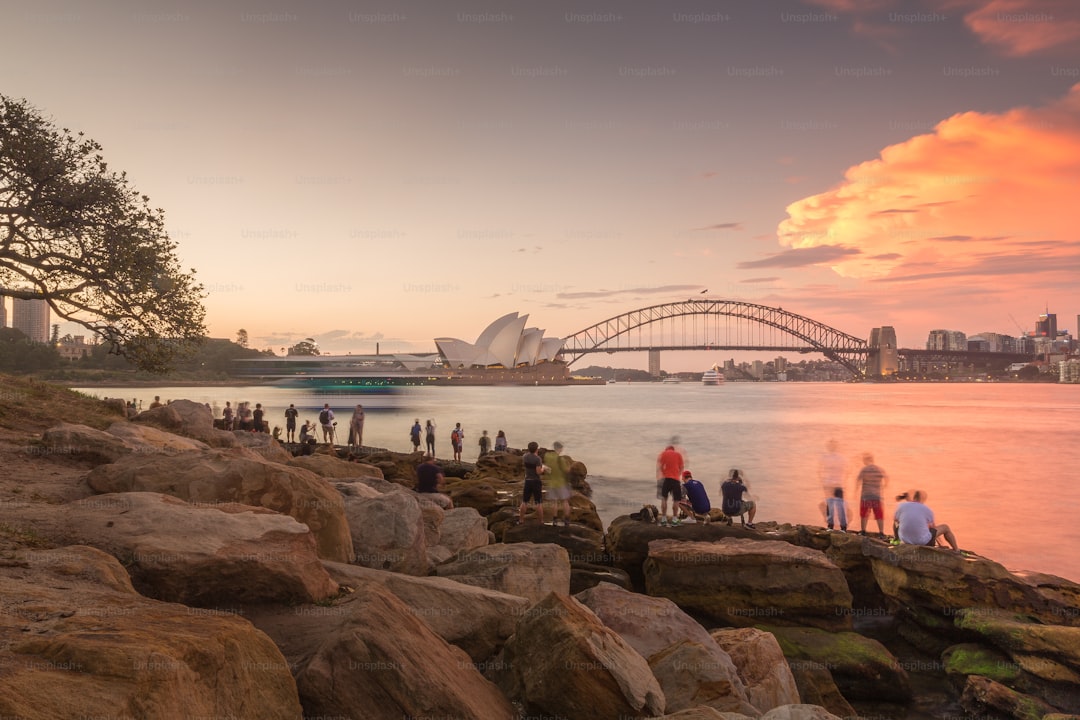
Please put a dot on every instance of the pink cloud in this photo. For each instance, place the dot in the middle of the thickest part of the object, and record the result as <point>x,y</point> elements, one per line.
<point>1024,27</point>
<point>983,197</point>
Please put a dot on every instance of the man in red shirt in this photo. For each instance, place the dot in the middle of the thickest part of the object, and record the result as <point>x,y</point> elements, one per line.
<point>669,468</point>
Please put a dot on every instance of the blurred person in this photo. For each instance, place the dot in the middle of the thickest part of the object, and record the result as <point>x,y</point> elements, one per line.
<point>669,469</point>
<point>870,483</point>
<point>558,484</point>
<point>831,470</point>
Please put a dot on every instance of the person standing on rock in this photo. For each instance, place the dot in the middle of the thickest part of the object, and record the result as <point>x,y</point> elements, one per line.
<point>227,416</point>
<point>457,438</point>
<point>356,427</point>
<point>290,423</point>
<point>831,474</point>
<point>913,522</point>
<point>429,437</point>
<point>869,485</point>
<point>257,418</point>
<point>534,487</point>
<point>558,484</point>
<point>500,442</point>
<point>414,435</point>
<point>326,420</point>
<point>429,482</point>
<point>669,470</point>
<point>485,443</point>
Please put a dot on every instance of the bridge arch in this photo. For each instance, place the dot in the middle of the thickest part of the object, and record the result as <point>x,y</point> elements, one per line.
<point>743,329</point>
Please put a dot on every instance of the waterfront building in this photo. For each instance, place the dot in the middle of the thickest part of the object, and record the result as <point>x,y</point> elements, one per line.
<point>1069,371</point>
<point>946,340</point>
<point>505,343</point>
<point>31,316</point>
<point>74,348</point>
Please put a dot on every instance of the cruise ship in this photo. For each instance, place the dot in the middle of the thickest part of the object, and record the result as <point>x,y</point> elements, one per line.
<point>712,376</point>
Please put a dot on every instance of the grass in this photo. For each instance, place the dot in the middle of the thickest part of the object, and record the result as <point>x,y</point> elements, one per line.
<point>31,406</point>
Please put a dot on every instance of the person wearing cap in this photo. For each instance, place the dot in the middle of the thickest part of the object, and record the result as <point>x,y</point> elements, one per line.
<point>429,481</point>
<point>558,484</point>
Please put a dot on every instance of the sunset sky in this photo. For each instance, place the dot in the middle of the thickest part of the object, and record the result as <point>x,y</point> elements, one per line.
<point>396,171</point>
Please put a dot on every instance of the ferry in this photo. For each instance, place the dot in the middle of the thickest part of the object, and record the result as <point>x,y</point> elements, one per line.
<point>712,376</point>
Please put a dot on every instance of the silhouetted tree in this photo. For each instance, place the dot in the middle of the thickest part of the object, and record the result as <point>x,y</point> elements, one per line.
<point>77,234</point>
<point>306,346</point>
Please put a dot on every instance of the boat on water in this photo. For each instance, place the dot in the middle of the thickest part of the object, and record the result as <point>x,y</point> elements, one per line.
<point>712,376</point>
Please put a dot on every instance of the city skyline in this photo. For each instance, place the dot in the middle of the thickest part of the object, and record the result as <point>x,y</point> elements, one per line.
<point>364,173</point>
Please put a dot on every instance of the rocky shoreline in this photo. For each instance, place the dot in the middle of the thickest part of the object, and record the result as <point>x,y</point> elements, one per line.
<point>163,568</point>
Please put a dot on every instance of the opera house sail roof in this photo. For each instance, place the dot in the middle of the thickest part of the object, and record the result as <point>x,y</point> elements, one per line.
<point>505,342</point>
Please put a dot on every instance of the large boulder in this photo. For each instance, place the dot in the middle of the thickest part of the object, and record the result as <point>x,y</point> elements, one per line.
<point>761,665</point>
<point>388,532</point>
<point>262,445</point>
<point>983,697</point>
<point>627,541</point>
<point>474,619</point>
<point>745,582</point>
<point>195,420</point>
<point>147,439</point>
<point>648,624</point>
<point>236,476</point>
<point>562,661</point>
<point>463,529</point>
<point>82,441</point>
<point>76,641</point>
<point>208,556</point>
<point>692,673</point>
<point>524,569</point>
<point>940,582</point>
<point>333,467</point>
<point>862,668</point>
<point>379,660</point>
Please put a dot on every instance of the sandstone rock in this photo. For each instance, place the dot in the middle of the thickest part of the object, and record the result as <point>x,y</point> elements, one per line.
<point>1018,637</point>
<point>816,687</point>
<point>264,445</point>
<point>204,556</point>
<point>627,541</point>
<point>237,476</point>
<point>463,529</point>
<point>563,661</point>
<point>693,673</point>
<point>474,619</point>
<point>523,569</point>
<point>584,576</point>
<point>648,624</point>
<point>800,712</point>
<point>188,418</point>
<point>745,582</point>
<point>77,642</point>
<point>862,668</point>
<point>944,582</point>
<point>84,442</point>
<point>761,666</point>
<point>382,662</point>
<point>330,466</point>
<point>703,712</point>
<point>432,517</point>
<point>982,696</point>
<point>388,532</point>
<point>144,438</point>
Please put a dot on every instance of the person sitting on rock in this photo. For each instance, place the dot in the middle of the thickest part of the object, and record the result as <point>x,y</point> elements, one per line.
<point>913,522</point>
<point>429,481</point>
<point>732,490</point>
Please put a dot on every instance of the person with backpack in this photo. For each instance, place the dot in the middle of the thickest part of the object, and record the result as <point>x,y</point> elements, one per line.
<point>414,435</point>
<point>457,436</point>
<point>429,438</point>
<point>326,419</point>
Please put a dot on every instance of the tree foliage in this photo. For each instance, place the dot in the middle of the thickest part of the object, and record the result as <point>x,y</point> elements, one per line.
<point>307,346</point>
<point>76,233</point>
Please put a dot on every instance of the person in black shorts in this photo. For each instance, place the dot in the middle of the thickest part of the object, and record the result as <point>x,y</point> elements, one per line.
<point>534,486</point>
<point>290,423</point>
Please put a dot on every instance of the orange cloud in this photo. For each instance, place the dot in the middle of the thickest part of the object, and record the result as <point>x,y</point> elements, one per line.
<point>983,196</point>
<point>1024,27</point>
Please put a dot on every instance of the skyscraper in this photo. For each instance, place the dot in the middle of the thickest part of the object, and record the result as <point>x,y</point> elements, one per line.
<point>1046,326</point>
<point>31,316</point>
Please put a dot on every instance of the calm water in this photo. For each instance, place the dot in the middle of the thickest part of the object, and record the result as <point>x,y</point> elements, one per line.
<point>1001,463</point>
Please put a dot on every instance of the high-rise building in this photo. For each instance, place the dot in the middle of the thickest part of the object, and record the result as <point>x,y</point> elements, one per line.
<point>31,316</point>
<point>1046,326</point>
<point>946,340</point>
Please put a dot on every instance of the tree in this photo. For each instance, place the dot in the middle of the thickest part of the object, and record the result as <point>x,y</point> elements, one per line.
<point>306,346</point>
<point>77,234</point>
<point>242,338</point>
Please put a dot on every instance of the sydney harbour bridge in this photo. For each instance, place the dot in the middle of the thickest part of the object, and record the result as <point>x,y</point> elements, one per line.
<point>733,325</point>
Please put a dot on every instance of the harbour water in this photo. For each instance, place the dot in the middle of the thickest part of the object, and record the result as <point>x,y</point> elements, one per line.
<point>1001,462</point>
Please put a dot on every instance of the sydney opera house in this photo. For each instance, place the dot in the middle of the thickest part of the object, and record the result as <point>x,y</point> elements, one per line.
<point>505,343</point>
